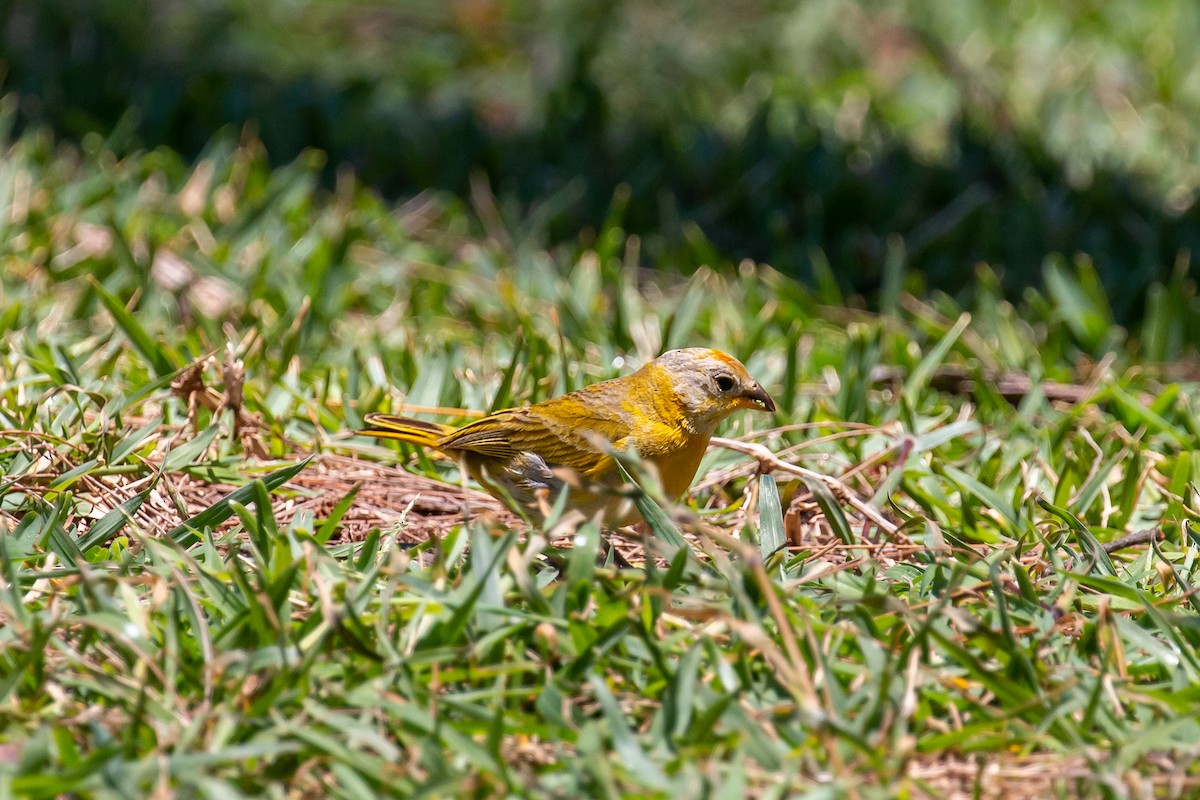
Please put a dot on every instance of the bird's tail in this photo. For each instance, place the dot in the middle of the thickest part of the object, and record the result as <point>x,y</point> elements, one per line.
<point>413,431</point>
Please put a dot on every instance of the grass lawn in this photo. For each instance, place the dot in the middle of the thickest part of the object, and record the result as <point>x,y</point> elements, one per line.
<point>957,562</point>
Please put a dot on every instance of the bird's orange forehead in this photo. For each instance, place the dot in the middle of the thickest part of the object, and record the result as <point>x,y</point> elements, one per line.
<point>726,359</point>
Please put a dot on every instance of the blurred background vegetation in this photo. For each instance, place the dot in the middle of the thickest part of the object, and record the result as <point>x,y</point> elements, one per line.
<point>872,146</point>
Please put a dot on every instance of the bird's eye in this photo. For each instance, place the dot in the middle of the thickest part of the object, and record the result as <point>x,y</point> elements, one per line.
<point>724,383</point>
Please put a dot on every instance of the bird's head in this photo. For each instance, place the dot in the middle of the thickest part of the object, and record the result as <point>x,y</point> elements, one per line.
<point>710,384</point>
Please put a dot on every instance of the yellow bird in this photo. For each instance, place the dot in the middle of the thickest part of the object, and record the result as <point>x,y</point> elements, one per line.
<point>664,413</point>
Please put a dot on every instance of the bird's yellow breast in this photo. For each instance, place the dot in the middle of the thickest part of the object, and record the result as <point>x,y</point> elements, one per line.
<point>677,466</point>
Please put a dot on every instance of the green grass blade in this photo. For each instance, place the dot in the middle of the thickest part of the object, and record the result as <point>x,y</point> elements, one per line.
<point>771,536</point>
<point>186,534</point>
<point>142,341</point>
<point>111,523</point>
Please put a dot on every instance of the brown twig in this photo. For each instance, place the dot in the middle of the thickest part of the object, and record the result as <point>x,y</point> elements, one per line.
<point>771,462</point>
<point>1012,386</point>
<point>1132,539</point>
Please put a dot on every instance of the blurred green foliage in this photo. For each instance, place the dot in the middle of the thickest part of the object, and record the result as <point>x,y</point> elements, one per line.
<point>899,143</point>
<point>276,656</point>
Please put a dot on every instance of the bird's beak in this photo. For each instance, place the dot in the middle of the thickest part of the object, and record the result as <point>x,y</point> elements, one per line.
<point>758,397</point>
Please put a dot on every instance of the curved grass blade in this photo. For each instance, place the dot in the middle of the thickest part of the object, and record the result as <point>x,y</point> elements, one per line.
<point>832,511</point>
<point>1101,563</point>
<point>142,341</point>
<point>919,379</point>
<point>660,524</point>
<point>339,510</point>
<point>185,533</point>
<point>770,516</point>
<point>111,523</point>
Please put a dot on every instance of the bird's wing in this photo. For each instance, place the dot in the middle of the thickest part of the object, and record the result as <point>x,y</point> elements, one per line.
<point>564,432</point>
<point>487,437</point>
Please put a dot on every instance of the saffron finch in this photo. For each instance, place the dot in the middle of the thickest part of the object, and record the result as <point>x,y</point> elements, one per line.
<point>664,413</point>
